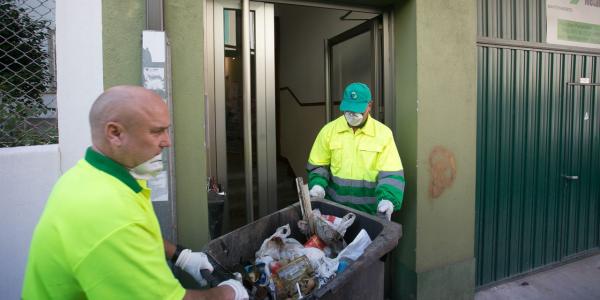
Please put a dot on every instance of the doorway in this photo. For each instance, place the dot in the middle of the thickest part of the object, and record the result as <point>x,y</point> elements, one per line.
<point>301,57</point>
<point>578,222</point>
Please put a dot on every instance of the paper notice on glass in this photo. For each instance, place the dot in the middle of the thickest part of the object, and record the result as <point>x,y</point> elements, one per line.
<point>159,187</point>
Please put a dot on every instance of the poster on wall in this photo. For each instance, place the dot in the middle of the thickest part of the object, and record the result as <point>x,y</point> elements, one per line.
<point>153,73</point>
<point>573,22</point>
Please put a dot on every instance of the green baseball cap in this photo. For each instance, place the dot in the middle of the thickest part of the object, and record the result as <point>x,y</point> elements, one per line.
<point>356,98</point>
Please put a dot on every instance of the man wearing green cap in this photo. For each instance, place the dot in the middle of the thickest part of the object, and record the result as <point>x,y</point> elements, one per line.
<point>354,160</point>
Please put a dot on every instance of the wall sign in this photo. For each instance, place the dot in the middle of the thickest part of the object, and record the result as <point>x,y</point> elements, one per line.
<point>573,22</point>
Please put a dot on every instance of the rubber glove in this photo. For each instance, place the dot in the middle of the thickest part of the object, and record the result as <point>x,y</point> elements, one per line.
<point>385,208</point>
<point>192,263</point>
<point>238,288</point>
<point>317,192</point>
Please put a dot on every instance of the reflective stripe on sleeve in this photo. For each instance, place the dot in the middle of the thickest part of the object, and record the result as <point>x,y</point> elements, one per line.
<point>322,171</point>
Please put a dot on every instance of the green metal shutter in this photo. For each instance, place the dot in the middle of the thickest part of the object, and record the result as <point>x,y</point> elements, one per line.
<point>532,128</point>
<point>517,20</point>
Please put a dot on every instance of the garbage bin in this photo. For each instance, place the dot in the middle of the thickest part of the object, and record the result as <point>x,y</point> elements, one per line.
<point>363,279</point>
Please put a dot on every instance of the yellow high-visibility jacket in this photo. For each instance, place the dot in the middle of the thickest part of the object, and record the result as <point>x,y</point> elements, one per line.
<point>357,169</point>
<point>99,238</point>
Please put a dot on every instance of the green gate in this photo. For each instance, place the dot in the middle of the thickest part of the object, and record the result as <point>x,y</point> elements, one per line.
<point>538,159</point>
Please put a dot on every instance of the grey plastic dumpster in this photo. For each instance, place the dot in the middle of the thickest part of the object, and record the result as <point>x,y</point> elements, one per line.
<point>363,279</point>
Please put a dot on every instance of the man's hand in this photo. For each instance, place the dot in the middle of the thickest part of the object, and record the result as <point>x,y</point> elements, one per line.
<point>238,288</point>
<point>193,262</point>
<point>317,192</point>
<point>385,208</point>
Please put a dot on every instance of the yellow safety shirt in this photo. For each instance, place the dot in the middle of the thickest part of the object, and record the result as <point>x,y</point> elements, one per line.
<point>98,238</point>
<point>357,169</point>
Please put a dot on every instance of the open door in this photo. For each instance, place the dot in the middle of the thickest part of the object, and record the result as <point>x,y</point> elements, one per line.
<point>248,178</point>
<point>355,56</point>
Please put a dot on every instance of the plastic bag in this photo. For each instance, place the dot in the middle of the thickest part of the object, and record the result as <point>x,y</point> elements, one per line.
<point>278,246</point>
<point>355,249</point>
<point>266,260</point>
<point>338,224</point>
<point>324,267</point>
<point>335,223</point>
<point>315,242</point>
<point>330,229</point>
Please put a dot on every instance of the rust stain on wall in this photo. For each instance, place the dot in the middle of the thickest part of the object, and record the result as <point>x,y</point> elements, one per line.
<point>442,170</point>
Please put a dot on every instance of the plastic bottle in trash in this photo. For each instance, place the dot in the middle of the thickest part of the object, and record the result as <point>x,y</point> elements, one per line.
<point>343,264</point>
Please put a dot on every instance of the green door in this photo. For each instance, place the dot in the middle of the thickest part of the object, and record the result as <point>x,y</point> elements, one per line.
<point>580,170</point>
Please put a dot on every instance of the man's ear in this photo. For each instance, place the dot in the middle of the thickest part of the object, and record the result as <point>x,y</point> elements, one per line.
<point>369,107</point>
<point>114,133</point>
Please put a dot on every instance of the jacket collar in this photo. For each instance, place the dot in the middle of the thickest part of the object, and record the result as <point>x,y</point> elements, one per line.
<point>111,167</point>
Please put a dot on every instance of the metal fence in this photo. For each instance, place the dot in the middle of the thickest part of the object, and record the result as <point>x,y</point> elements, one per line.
<point>27,73</point>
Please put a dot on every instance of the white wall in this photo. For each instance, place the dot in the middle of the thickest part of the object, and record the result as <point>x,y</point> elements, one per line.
<point>79,73</point>
<point>301,67</point>
<point>27,175</point>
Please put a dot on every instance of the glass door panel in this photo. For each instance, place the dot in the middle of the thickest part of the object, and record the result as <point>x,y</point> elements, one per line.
<point>228,119</point>
<point>234,117</point>
<point>355,56</point>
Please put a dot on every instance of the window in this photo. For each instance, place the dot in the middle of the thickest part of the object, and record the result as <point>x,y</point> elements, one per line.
<point>27,73</point>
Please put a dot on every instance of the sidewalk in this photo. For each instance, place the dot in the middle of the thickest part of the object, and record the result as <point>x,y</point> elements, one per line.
<point>578,280</point>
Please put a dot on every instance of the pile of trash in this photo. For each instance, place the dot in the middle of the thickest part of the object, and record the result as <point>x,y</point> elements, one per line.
<point>286,269</point>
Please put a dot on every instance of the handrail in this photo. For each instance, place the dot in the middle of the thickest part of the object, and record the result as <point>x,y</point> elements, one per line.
<point>287,88</point>
<point>345,17</point>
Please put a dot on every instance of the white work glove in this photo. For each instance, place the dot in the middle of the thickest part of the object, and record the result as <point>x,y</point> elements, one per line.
<point>193,262</point>
<point>385,208</point>
<point>238,288</point>
<point>317,192</point>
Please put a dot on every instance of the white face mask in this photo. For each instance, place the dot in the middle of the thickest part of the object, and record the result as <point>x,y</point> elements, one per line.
<point>354,119</point>
<point>148,169</point>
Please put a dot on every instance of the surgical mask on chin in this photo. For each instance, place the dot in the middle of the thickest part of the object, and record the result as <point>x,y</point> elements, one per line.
<point>148,169</point>
<point>354,119</point>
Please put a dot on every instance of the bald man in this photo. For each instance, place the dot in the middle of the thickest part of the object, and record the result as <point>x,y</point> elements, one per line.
<point>98,237</point>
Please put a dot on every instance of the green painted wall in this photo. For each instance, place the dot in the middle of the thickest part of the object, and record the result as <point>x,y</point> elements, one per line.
<point>447,94</point>
<point>122,25</point>
<point>453,282</point>
<point>436,132</point>
<point>123,22</point>
<point>404,257</point>
<point>184,26</point>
